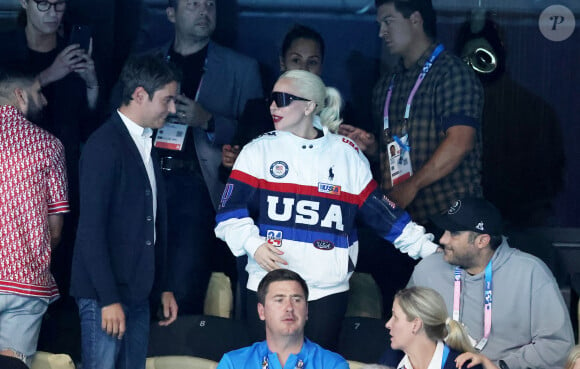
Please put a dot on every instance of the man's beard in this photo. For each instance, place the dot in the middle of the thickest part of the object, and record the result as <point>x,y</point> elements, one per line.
<point>34,113</point>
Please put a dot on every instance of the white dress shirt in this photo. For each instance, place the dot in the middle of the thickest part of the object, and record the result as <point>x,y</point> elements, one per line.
<point>142,138</point>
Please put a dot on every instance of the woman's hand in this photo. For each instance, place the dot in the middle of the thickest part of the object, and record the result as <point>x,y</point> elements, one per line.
<point>267,256</point>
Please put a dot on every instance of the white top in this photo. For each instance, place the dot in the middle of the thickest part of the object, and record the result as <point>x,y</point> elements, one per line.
<point>142,138</point>
<point>435,362</point>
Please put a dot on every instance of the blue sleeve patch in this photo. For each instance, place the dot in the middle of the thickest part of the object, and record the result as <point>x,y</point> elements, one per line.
<point>226,194</point>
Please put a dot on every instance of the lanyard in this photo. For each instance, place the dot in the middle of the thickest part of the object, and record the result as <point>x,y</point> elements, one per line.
<point>487,300</point>
<point>424,71</point>
<point>265,363</point>
<point>445,354</point>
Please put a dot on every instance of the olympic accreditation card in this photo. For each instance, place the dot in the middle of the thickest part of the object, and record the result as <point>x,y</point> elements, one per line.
<point>399,163</point>
<point>171,136</point>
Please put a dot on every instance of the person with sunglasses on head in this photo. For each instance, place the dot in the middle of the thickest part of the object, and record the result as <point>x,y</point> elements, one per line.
<point>293,198</point>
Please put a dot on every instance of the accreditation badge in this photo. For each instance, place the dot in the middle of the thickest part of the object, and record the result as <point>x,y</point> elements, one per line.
<point>171,136</point>
<point>399,163</point>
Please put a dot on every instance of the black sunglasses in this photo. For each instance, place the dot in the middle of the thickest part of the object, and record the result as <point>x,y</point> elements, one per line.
<point>283,99</point>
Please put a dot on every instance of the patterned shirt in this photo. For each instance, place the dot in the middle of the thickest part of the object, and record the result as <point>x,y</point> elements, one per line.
<point>449,95</point>
<point>32,186</point>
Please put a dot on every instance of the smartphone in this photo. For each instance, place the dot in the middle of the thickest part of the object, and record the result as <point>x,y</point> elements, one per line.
<point>80,34</point>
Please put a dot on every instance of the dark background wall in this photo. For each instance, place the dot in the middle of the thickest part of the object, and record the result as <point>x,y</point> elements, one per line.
<point>540,99</point>
<point>542,73</point>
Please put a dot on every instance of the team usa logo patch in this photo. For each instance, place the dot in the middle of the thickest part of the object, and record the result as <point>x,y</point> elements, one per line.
<point>226,194</point>
<point>323,245</point>
<point>279,169</point>
<point>328,188</point>
<point>274,238</point>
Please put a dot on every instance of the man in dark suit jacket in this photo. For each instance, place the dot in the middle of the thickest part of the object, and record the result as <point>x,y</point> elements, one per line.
<point>121,241</point>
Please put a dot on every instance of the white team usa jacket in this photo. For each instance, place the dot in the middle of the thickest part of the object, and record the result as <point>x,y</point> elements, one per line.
<point>304,196</point>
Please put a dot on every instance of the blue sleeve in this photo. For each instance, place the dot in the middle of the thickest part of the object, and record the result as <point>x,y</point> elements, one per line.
<point>225,363</point>
<point>383,216</point>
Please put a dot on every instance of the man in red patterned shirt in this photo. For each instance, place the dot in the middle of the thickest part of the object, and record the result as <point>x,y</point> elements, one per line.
<point>33,198</point>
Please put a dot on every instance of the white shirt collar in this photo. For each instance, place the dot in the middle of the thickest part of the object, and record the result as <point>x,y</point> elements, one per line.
<point>435,362</point>
<point>134,129</point>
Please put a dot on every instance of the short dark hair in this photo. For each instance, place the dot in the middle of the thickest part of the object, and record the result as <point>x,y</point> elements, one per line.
<point>300,31</point>
<point>408,7</point>
<point>171,3</point>
<point>494,240</point>
<point>11,78</point>
<point>279,275</point>
<point>150,71</point>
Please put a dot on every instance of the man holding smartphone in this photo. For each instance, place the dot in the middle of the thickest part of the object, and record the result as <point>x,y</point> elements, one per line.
<point>68,79</point>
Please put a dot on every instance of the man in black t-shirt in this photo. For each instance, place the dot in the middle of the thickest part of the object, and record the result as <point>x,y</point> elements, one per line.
<point>217,83</point>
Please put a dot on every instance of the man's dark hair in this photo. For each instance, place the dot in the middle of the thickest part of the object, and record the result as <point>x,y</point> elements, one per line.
<point>279,275</point>
<point>11,78</point>
<point>171,3</point>
<point>151,72</point>
<point>301,31</point>
<point>494,240</point>
<point>408,7</point>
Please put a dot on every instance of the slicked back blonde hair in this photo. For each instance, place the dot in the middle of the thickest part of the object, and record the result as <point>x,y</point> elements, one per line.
<point>327,99</point>
<point>428,305</point>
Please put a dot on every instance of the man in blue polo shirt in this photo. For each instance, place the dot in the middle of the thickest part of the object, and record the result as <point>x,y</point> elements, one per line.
<point>283,306</point>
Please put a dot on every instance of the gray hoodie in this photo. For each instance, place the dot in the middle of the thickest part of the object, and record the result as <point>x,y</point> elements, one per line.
<point>530,323</point>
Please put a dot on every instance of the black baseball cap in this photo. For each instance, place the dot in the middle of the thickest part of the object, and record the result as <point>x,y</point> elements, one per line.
<point>471,214</point>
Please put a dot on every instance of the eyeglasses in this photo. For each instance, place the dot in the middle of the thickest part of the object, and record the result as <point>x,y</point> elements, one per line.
<point>283,99</point>
<point>44,5</point>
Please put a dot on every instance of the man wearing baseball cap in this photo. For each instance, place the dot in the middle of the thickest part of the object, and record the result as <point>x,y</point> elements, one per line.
<point>508,299</point>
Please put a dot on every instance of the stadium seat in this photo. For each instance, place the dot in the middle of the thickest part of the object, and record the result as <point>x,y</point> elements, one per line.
<point>179,362</point>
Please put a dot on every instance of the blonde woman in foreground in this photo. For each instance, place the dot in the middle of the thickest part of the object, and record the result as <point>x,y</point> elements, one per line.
<point>421,328</point>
